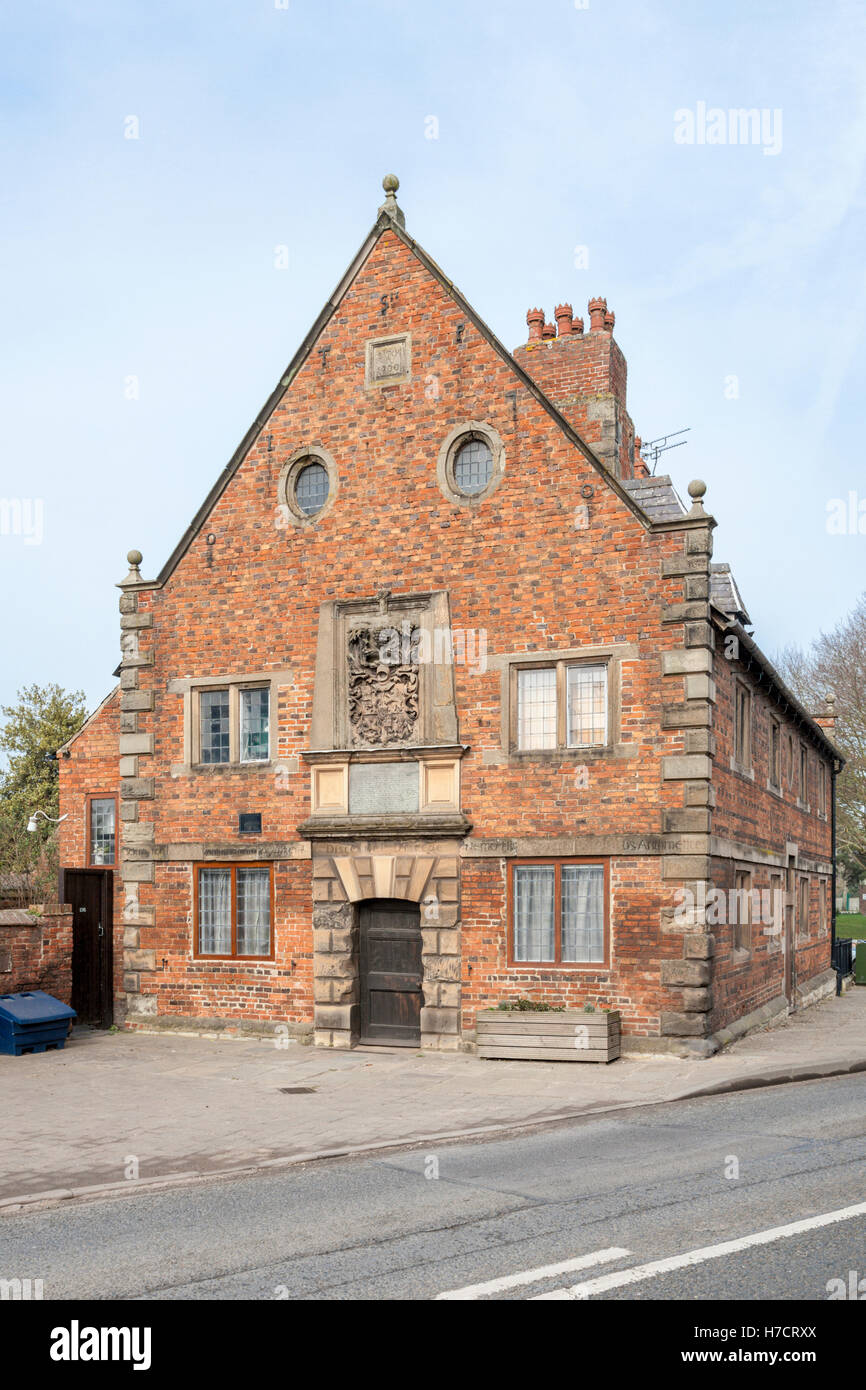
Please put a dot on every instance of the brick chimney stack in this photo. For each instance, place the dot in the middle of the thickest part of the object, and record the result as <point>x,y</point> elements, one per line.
<point>584,374</point>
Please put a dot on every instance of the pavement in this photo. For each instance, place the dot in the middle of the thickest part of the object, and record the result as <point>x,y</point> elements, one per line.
<point>751,1195</point>
<point>120,1112</point>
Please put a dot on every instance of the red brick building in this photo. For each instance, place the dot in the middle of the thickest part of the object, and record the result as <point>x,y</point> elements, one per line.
<point>441,701</point>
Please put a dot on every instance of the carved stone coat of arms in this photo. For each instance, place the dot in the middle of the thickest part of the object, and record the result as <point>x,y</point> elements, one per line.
<point>383,695</point>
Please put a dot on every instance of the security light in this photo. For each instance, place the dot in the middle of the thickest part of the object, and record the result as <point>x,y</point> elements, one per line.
<point>31,824</point>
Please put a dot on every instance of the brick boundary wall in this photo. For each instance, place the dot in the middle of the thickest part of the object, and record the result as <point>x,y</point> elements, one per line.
<point>36,951</point>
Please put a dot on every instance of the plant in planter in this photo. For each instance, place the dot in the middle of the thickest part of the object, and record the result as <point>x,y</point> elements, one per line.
<point>521,1029</point>
<point>528,1006</point>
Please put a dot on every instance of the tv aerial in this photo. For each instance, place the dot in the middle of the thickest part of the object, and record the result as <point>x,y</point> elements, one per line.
<point>654,448</point>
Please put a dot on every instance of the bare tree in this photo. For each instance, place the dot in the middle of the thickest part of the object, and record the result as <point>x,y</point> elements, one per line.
<point>837,661</point>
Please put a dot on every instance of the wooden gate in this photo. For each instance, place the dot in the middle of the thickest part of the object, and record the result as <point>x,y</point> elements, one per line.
<point>390,972</point>
<point>91,894</point>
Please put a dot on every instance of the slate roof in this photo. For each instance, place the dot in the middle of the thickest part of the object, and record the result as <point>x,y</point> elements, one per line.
<point>657,497</point>
<point>725,594</point>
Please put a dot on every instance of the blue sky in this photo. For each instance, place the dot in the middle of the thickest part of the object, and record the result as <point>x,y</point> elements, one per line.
<point>261,127</point>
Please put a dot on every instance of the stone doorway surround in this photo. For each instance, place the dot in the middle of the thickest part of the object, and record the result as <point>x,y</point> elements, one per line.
<point>346,874</point>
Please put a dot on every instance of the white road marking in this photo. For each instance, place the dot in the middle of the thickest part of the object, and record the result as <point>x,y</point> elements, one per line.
<point>695,1257</point>
<point>533,1276</point>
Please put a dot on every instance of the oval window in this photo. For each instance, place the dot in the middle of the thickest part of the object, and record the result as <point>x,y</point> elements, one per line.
<point>311,488</point>
<point>473,466</point>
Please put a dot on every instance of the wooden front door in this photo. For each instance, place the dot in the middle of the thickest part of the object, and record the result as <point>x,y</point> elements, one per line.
<point>390,971</point>
<point>90,892</point>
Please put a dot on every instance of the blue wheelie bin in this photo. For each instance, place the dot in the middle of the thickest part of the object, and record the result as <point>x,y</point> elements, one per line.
<point>33,1021</point>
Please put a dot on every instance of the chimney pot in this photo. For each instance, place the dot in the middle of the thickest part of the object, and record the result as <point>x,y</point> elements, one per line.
<point>638,464</point>
<point>577,325</point>
<point>563,313</point>
<point>535,319</point>
<point>549,330</point>
<point>609,321</point>
<point>597,310</point>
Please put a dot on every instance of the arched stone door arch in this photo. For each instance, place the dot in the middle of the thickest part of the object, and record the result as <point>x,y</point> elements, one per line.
<point>345,876</point>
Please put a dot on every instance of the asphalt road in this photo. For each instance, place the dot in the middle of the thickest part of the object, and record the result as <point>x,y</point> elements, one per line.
<point>603,1195</point>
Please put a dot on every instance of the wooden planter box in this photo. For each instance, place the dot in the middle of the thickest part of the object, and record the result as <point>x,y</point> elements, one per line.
<point>572,1036</point>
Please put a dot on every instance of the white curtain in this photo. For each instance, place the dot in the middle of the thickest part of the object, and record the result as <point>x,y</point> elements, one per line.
<point>254,912</point>
<point>582,912</point>
<point>214,912</point>
<point>534,925</point>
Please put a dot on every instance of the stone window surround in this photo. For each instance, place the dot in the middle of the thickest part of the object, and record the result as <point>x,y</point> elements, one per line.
<point>789,741</point>
<point>776,939</point>
<point>612,655</point>
<point>742,955</point>
<point>747,773</point>
<point>823,906</point>
<point>803,790</point>
<point>803,936</point>
<point>469,429</point>
<point>191,687</point>
<point>295,464</point>
<point>744,766</point>
<point>775,787</point>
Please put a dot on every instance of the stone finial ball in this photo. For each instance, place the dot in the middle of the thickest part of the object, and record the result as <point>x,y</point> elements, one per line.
<point>830,697</point>
<point>390,183</point>
<point>697,488</point>
<point>134,558</point>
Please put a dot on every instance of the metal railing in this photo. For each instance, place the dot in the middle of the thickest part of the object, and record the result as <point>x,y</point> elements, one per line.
<point>843,959</point>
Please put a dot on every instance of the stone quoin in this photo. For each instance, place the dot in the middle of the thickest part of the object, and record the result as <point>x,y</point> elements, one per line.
<point>320,815</point>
